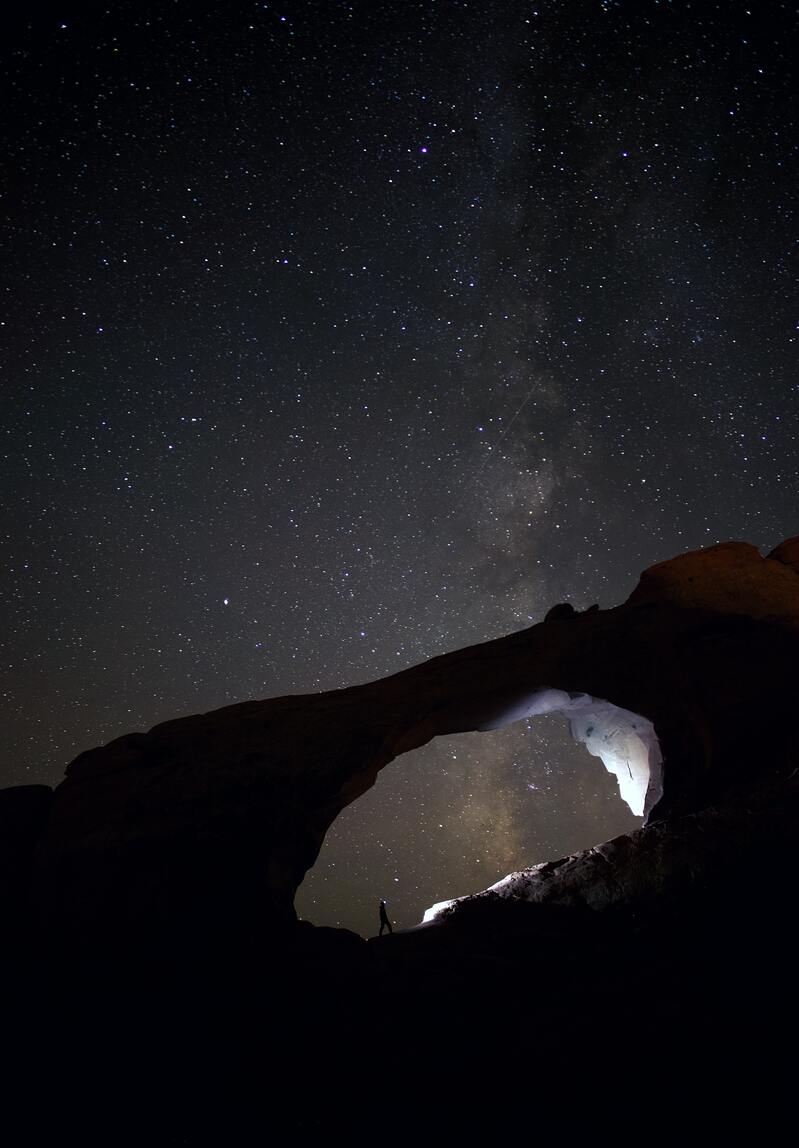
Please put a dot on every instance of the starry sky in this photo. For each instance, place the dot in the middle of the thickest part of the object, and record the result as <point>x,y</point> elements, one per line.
<point>337,335</point>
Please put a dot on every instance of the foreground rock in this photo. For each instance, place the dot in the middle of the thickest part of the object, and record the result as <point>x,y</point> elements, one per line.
<point>660,862</point>
<point>160,979</point>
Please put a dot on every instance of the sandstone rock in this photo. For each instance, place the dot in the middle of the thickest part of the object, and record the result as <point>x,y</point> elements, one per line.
<point>660,861</point>
<point>787,553</point>
<point>174,997</point>
<point>731,578</point>
<point>217,817</point>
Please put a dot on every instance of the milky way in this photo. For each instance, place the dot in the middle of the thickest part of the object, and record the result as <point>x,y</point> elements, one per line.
<point>339,335</point>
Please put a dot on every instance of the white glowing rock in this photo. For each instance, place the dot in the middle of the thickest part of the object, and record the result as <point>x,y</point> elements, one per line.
<point>431,913</point>
<point>625,743</point>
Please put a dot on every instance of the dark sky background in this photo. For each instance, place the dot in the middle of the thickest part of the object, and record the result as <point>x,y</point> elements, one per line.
<point>340,335</point>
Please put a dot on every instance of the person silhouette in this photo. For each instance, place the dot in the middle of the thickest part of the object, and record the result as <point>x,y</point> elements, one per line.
<point>384,921</point>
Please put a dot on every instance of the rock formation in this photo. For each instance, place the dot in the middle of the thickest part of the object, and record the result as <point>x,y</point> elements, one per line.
<point>219,816</point>
<point>163,868</point>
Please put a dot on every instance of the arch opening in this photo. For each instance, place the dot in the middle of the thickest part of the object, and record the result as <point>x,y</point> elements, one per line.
<point>625,742</point>
<point>461,812</point>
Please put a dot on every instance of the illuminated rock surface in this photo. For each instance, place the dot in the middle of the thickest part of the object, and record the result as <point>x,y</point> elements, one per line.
<point>166,863</point>
<point>218,813</point>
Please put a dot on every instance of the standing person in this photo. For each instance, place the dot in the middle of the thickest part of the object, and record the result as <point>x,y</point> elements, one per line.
<point>384,921</point>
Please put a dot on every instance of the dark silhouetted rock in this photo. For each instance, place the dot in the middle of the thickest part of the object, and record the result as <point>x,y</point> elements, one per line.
<point>560,612</point>
<point>173,997</point>
<point>24,810</point>
<point>210,822</point>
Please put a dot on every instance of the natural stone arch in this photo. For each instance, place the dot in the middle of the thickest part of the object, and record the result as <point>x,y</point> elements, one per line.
<point>358,861</point>
<point>217,817</point>
<point>625,742</point>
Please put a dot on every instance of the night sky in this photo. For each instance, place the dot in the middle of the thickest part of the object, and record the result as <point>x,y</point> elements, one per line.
<point>340,335</point>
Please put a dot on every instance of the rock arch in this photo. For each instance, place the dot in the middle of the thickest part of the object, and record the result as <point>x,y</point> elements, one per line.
<point>218,816</point>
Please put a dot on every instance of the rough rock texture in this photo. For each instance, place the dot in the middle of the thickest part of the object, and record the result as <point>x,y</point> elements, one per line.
<point>218,816</point>
<point>731,578</point>
<point>160,991</point>
<point>661,861</point>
